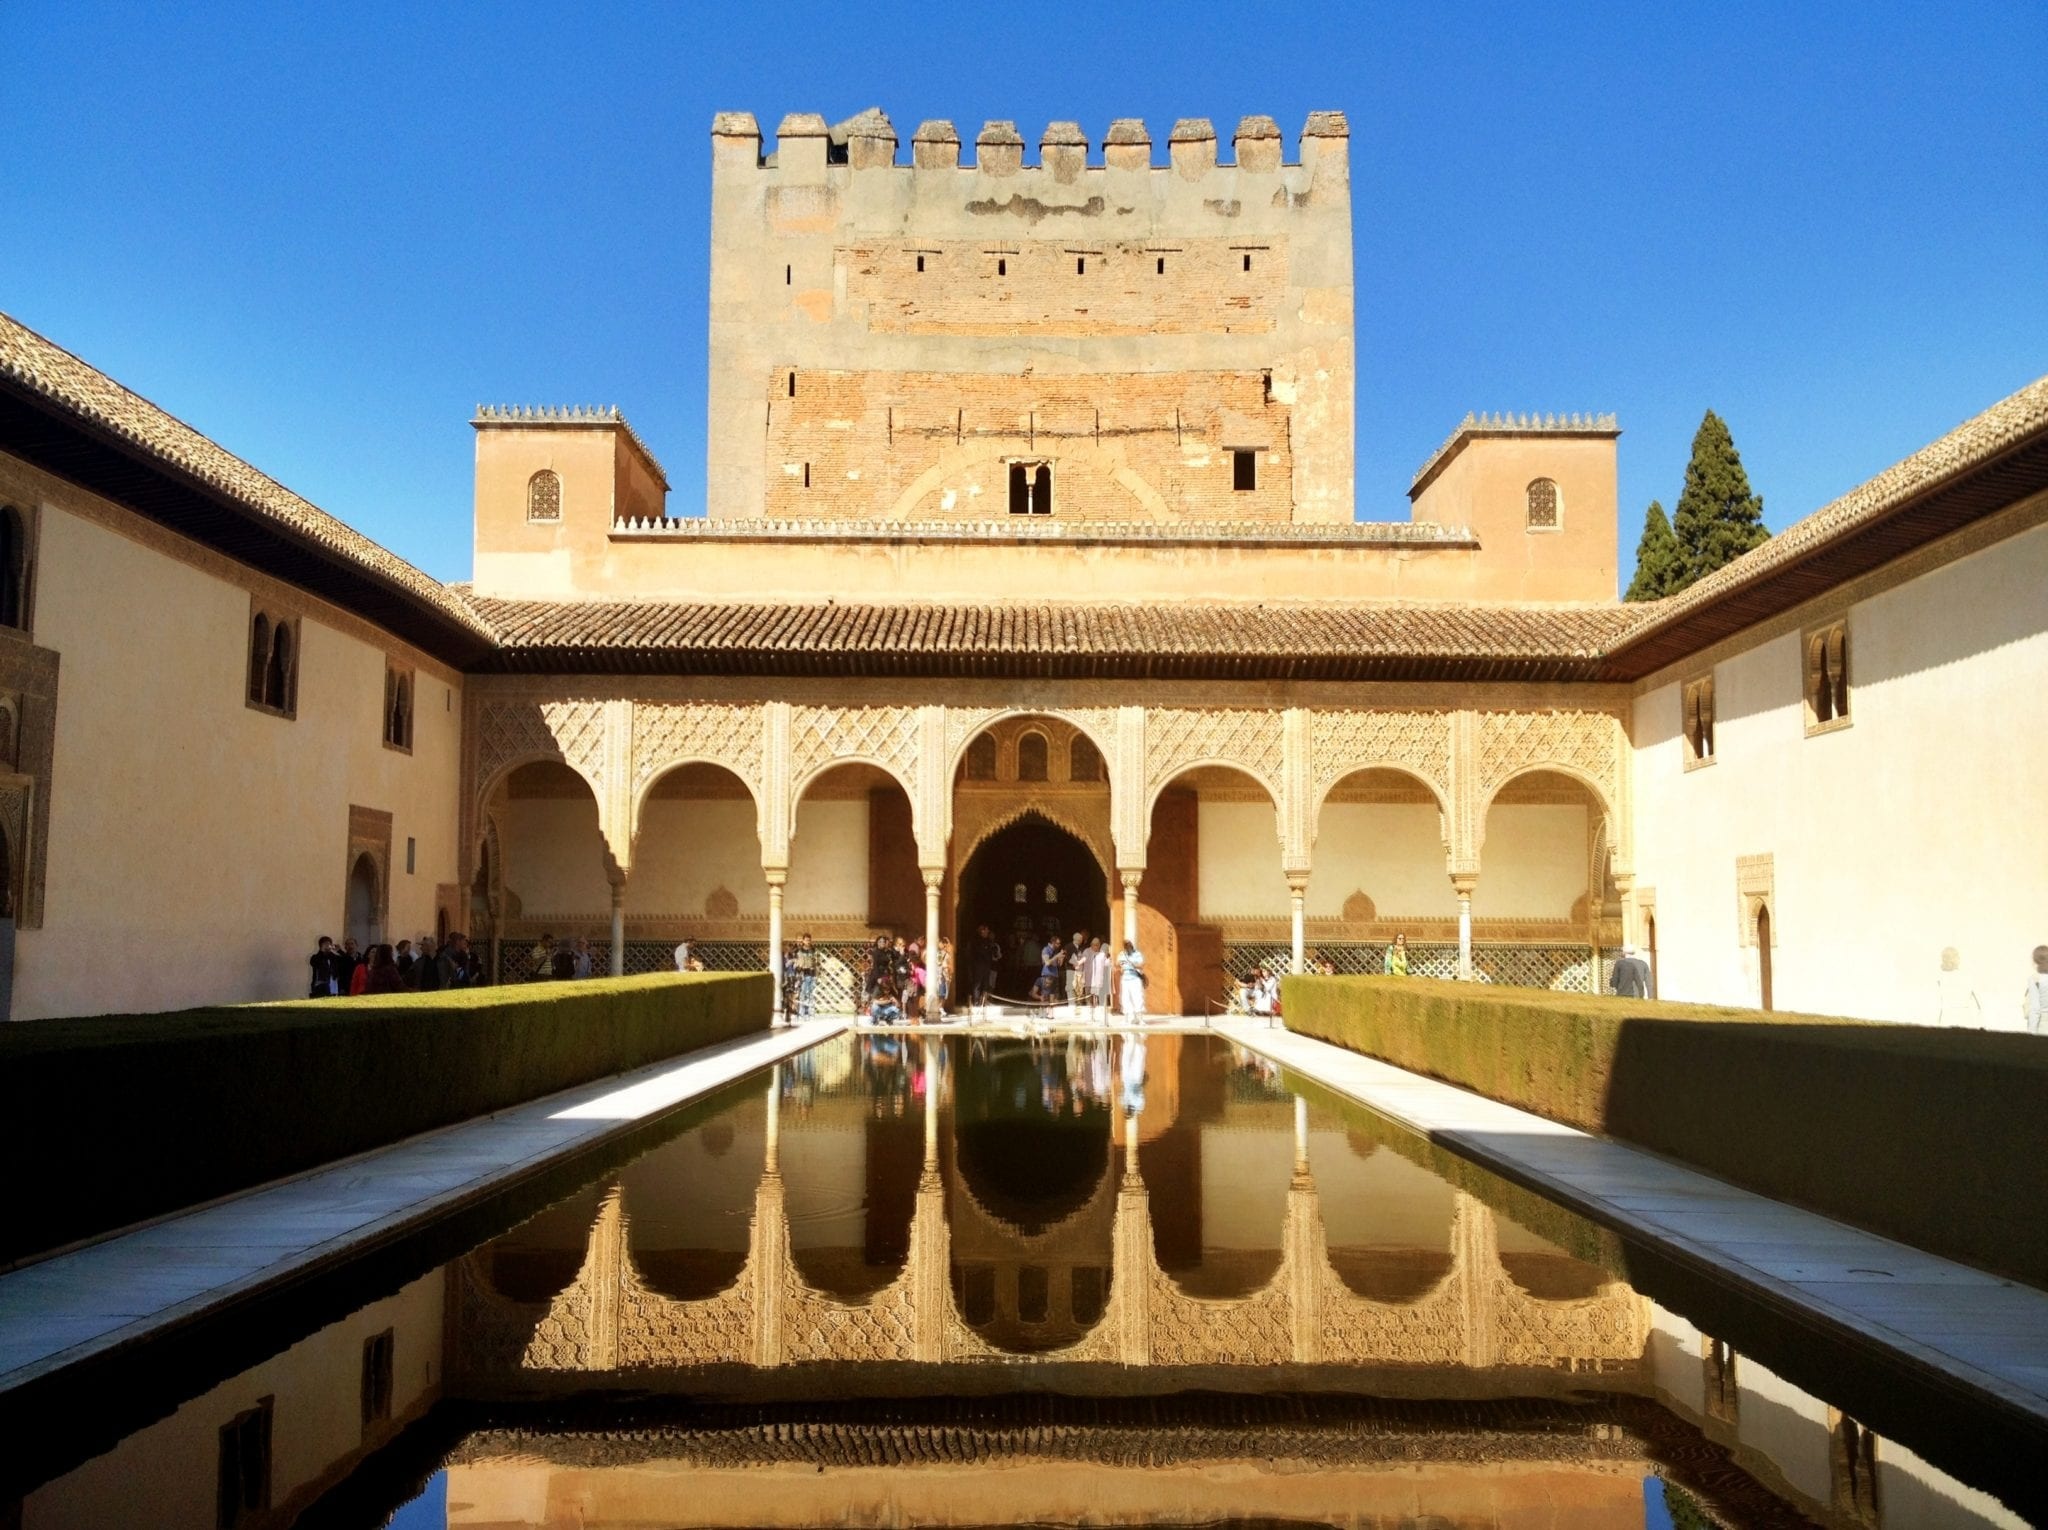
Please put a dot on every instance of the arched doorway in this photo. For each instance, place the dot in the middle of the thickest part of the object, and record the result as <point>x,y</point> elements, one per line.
<point>1763,951</point>
<point>364,923</point>
<point>1029,880</point>
<point>1650,949</point>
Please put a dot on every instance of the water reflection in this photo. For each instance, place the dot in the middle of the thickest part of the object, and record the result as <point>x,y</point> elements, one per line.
<point>1146,1202</point>
<point>1136,1274</point>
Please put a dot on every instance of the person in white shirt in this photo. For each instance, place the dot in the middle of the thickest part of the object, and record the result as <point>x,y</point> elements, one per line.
<point>683,957</point>
<point>1095,969</point>
<point>2036,1005</point>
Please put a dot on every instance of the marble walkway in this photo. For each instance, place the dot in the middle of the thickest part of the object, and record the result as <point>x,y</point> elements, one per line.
<point>1977,1330</point>
<point>134,1285</point>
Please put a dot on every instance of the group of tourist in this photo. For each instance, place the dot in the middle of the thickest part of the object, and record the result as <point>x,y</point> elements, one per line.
<point>551,960</point>
<point>899,983</point>
<point>1080,975</point>
<point>346,969</point>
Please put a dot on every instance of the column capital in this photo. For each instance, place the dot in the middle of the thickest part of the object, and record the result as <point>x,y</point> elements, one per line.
<point>778,876</point>
<point>934,877</point>
<point>1463,882</point>
<point>1130,876</point>
<point>1297,884</point>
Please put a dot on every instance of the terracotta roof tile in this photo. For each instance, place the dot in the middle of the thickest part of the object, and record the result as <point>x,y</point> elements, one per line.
<point>53,373</point>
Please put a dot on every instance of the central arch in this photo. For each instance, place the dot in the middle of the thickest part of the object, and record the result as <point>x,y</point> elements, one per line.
<point>1062,889</point>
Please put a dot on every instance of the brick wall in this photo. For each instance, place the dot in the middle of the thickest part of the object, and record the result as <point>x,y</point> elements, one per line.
<point>1067,286</point>
<point>937,445</point>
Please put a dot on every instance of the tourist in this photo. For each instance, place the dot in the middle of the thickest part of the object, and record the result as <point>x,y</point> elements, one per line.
<point>878,968</point>
<point>1052,965</point>
<point>1631,979</point>
<point>1131,985</point>
<point>913,980</point>
<point>1077,985</point>
<point>1955,1001</point>
<point>942,977</point>
<point>2035,1006</point>
<point>1395,964</point>
<point>985,958</point>
<point>883,1008</point>
<point>451,968</point>
<point>426,971</point>
<point>1261,993</point>
<point>574,960</point>
<point>330,970</point>
<point>683,957</point>
<point>405,960</point>
<point>803,968</point>
<point>541,959</point>
<point>380,972</point>
<point>1095,970</point>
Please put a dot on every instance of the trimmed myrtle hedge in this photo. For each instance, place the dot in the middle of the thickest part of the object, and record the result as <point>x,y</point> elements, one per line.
<point>1936,1137</point>
<point>105,1121</point>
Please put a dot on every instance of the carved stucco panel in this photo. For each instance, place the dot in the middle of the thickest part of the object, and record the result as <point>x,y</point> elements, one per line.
<point>1415,741</point>
<point>1251,739</point>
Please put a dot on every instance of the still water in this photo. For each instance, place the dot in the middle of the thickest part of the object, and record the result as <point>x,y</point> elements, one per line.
<point>981,1281</point>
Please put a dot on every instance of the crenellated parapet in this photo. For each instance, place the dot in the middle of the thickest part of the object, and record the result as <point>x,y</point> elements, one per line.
<point>804,142</point>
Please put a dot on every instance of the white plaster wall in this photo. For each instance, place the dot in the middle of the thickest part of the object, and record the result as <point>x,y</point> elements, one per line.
<point>1237,871</point>
<point>316,1424</point>
<point>1392,851</point>
<point>688,850</point>
<point>1535,862</point>
<point>554,856</point>
<point>197,847</point>
<point>828,860</point>
<point>1917,827</point>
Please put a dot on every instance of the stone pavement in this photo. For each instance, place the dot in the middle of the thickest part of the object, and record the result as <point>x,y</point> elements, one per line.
<point>132,1286</point>
<point>1978,1330</point>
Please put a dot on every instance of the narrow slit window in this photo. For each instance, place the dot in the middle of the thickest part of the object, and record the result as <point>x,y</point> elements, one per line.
<point>1160,268</point>
<point>1080,265</point>
<point>792,385</point>
<point>807,475</point>
<point>1002,268</point>
<point>1244,471</point>
<point>789,276</point>
<point>1020,490</point>
<point>1247,262</point>
<point>920,265</point>
<point>1041,490</point>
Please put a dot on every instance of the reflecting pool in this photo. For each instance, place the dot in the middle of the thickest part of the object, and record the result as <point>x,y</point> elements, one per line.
<point>976,1280</point>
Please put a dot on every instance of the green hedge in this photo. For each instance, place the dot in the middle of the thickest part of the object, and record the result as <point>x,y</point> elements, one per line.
<point>108,1120</point>
<point>1936,1137</point>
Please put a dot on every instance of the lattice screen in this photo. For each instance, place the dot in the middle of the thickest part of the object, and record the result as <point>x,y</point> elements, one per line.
<point>1565,968</point>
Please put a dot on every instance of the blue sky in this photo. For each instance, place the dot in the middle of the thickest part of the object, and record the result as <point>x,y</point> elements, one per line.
<point>323,234</point>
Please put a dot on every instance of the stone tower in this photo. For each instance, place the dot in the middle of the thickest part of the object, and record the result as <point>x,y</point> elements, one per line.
<point>1114,342</point>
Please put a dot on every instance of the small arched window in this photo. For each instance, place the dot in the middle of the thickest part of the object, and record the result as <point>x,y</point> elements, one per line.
<point>14,565</point>
<point>1543,505</point>
<point>1084,760</point>
<point>397,709</point>
<point>1031,753</point>
<point>544,496</point>
<point>1827,677</point>
<point>259,655</point>
<point>981,758</point>
<point>278,675</point>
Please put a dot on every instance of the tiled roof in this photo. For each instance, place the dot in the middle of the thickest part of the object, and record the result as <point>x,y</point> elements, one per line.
<point>1382,640</point>
<point>54,375</point>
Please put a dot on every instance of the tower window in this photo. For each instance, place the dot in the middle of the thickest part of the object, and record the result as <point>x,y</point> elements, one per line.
<point>1002,268</point>
<point>1160,267</point>
<point>1247,262</point>
<point>544,496</point>
<point>807,475</point>
<point>1244,470</point>
<point>1543,505</point>
<point>1031,488</point>
<point>1080,265</point>
<point>788,276</point>
<point>920,265</point>
<point>792,385</point>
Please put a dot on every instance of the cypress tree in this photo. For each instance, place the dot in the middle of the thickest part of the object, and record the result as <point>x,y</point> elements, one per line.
<point>1718,518</point>
<point>1659,569</point>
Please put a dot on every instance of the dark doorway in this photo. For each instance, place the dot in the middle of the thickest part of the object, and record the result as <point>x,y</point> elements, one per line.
<point>1650,940</point>
<point>1763,951</point>
<point>1026,882</point>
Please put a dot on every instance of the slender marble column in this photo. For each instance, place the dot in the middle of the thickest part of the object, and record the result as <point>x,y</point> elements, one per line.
<point>775,881</point>
<point>1297,898</point>
<point>1130,879</point>
<point>1463,886</point>
<point>934,876</point>
<point>618,929</point>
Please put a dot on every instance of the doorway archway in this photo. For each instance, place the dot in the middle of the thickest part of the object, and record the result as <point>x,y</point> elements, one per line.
<point>1763,951</point>
<point>364,922</point>
<point>1028,880</point>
